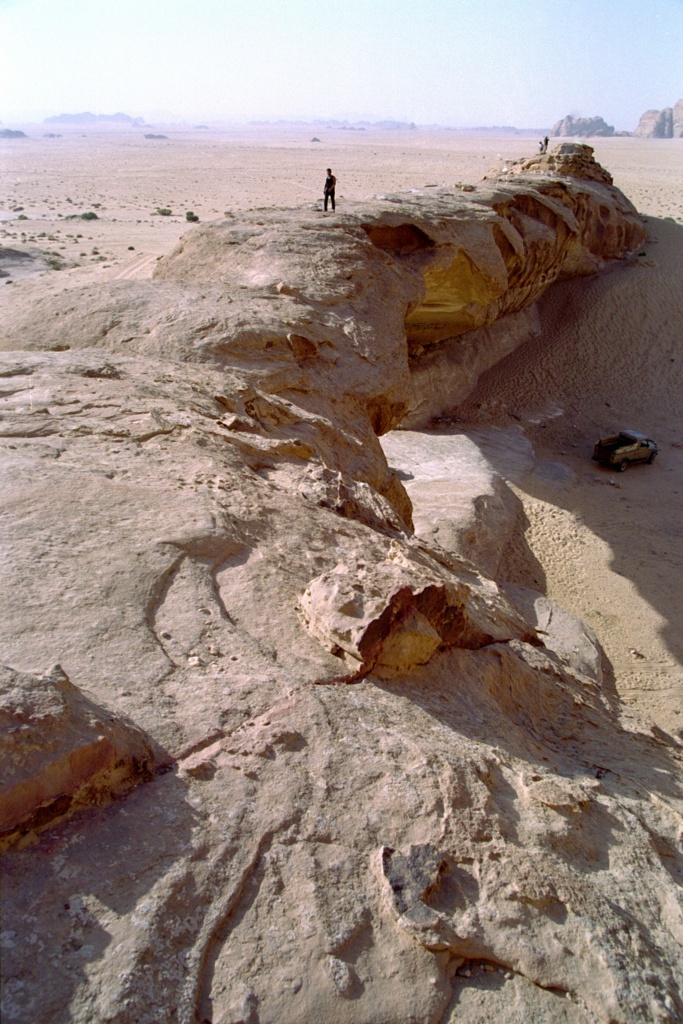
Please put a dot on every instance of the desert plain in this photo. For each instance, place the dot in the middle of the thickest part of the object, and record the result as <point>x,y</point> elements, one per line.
<point>605,547</point>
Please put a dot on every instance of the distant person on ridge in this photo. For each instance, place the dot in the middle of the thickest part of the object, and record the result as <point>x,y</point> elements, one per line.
<point>330,182</point>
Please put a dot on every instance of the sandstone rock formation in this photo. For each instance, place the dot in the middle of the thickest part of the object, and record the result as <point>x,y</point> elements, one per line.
<point>581,127</point>
<point>386,768</point>
<point>59,753</point>
<point>661,124</point>
<point>655,124</point>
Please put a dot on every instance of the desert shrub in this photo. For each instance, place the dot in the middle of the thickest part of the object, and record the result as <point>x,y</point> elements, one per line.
<point>163,211</point>
<point>22,216</point>
<point>191,215</point>
<point>90,215</point>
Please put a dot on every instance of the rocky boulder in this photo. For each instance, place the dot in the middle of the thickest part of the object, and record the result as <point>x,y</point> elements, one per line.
<point>60,752</point>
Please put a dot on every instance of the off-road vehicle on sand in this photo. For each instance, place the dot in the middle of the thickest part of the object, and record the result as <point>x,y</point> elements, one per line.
<point>625,447</point>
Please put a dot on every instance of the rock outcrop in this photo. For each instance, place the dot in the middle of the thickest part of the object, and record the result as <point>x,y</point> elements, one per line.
<point>661,124</point>
<point>385,768</point>
<point>59,753</point>
<point>581,127</point>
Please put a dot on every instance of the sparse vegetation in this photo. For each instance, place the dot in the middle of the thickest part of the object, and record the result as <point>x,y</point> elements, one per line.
<point>163,211</point>
<point>89,215</point>
<point>191,215</point>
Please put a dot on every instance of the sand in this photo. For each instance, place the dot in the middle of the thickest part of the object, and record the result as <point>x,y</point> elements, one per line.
<point>608,547</point>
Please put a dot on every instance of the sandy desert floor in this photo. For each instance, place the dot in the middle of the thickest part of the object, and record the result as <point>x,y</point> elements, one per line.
<point>609,548</point>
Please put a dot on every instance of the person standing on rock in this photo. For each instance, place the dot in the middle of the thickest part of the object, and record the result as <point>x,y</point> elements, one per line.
<point>330,183</point>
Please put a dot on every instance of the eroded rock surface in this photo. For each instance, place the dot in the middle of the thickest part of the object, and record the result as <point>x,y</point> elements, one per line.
<point>59,752</point>
<point>385,769</point>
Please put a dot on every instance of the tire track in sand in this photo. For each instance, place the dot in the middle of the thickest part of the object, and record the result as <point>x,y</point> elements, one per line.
<point>140,267</point>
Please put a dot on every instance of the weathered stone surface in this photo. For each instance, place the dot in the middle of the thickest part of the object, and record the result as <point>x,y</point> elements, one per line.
<point>196,497</point>
<point>574,641</point>
<point>460,501</point>
<point>59,752</point>
<point>576,127</point>
<point>568,159</point>
<point>444,375</point>
<point>396,613</point>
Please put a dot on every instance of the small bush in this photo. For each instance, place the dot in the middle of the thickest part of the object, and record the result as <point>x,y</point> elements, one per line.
<point>191,215</point>
<point>163,211</point>
<point>22,216</point>
<point>90,215</point>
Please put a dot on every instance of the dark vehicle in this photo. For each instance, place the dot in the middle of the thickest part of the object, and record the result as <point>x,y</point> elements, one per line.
<point>625,447</point>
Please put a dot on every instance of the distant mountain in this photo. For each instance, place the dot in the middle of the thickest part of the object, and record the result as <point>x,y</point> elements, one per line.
<point>9,133</point>
<point>88,118</point>
<point>581,127</point>
<point>331,123</point>
<point>493,129</point>
<point>661,124</point>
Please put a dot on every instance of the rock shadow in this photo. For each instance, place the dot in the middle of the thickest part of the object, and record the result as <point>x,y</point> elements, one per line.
<point>608,358</point>
<point>63,898</point>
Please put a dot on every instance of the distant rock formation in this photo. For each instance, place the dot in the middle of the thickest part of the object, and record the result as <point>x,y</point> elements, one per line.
<point>151,135</point>
<point>88,118</point>
<point>581,127</point>
<point>9,133</point>
<point>661,124</point>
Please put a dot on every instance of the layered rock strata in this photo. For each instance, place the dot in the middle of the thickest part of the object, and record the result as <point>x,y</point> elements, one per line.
<point>384,768</point>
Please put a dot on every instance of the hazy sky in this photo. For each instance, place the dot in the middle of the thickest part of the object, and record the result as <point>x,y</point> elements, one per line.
<point>458,62</point>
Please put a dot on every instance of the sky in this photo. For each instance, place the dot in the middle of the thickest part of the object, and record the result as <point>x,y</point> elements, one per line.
<point>461,63</point>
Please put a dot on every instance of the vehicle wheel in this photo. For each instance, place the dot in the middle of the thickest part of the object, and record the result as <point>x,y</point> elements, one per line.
<point>652,458</point>
<point>621,466</point>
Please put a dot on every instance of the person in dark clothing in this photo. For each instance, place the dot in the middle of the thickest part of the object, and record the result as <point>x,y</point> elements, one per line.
<point>330,182</point>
